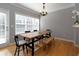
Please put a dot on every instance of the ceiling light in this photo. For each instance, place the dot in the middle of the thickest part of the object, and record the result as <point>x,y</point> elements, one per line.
<point>44,11</point>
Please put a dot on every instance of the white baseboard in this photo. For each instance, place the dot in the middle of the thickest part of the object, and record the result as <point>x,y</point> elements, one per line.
<point>64,39</point>
<point>67,41</point>
<point>76,45</point>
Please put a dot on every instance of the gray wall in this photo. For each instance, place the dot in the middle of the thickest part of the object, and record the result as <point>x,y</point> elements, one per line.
<point>60,22</point>
<point>12,10</point>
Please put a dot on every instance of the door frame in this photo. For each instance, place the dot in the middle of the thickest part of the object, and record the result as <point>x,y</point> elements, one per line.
<point>7,18</point>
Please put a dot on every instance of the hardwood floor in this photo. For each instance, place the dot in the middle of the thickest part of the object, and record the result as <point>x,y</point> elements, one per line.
<point>57,48</point>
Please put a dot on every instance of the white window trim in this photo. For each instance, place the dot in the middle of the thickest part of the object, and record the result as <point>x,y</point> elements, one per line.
<point>25,16</point>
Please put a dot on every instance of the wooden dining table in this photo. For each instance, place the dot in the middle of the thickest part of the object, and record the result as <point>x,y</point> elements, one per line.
<point>31,36</point>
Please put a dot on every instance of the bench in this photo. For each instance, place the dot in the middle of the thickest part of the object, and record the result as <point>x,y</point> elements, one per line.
<point>47,42</point>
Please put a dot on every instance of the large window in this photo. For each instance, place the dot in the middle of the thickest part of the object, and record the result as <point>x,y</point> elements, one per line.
<point>25,23</point>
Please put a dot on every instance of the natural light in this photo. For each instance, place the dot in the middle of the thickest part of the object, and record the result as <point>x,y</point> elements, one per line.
<point>26,23</point>
<point>3,27</point>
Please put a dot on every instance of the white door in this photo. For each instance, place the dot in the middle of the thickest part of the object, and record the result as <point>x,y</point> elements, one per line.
<point>4,35</point>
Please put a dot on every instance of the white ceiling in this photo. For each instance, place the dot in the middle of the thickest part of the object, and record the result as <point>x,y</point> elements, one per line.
<point>50,7</point>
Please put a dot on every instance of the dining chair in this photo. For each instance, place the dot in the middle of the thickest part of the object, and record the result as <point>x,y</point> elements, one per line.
<point>19,44</point>
<point>35,30</point>
<point>27,31</point>
<point>28,41</point>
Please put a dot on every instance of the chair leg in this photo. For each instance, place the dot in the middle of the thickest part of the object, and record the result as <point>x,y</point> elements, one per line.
<point>15,52</point>
<point>26,49</point>
<point>23,49</point>
<point>18,50</point>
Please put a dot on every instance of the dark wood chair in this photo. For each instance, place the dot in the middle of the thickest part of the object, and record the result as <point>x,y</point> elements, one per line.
<point>27,31</point>
<point>28,41</point>
<point>35,30</point>
<point>19,44</point>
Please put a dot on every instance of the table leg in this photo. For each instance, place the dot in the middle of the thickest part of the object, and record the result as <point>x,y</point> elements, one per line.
<point>32,47</point>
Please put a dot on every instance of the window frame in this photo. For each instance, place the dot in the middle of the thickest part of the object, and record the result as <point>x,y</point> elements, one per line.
<point>25,25</point>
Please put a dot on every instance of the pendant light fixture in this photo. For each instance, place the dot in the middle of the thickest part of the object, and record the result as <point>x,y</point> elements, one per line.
<point>44,11</point>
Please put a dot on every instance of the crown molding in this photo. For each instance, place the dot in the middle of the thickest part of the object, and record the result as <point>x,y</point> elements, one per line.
<point>25,8</point>
<point>63,8</point>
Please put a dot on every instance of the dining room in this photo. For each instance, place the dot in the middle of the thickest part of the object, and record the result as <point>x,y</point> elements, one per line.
<point>39,29</point>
